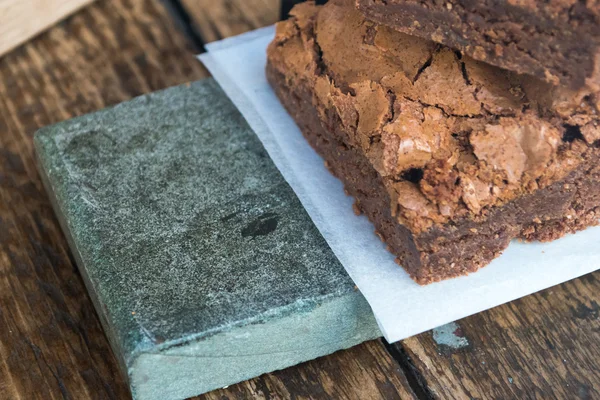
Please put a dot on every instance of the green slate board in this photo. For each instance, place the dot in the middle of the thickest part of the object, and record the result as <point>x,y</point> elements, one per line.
<point>202,264</point>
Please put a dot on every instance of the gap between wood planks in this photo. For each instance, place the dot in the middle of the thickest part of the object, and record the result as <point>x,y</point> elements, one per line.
<point>184,21</point>
<point>397,352</point>
<point>415,379</point>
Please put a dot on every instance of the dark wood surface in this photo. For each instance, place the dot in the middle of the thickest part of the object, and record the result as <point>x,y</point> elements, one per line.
<point>51,344</point>
<point>543,346</point>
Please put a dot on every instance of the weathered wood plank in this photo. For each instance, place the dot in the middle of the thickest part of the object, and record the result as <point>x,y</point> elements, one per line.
<point>51,343</point>
<point>23,19</point>
<point>544,346</point>
<point>217,20</point>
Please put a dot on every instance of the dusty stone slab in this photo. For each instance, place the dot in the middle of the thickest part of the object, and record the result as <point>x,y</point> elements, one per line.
<point>202,264</point>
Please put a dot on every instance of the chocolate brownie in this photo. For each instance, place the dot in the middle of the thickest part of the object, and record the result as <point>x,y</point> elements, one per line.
<point>558,41</point>
<point>450,158</point>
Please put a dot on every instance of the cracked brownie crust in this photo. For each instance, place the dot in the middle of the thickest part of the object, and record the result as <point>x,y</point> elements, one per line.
<point>558,41</point>
<point>449,157</point>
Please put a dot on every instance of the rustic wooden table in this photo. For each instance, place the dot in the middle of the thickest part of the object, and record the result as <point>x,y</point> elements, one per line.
<point>51,343</point>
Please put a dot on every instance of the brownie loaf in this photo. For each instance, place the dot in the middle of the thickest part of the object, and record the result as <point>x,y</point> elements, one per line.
<point>449,157</point>
<point>558,41</point>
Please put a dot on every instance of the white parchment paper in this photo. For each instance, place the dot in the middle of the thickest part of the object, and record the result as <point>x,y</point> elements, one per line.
<point>402,307</point>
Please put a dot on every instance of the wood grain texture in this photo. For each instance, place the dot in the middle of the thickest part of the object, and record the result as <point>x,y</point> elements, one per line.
<point>23,19</point>
<point>544,346</point>
<point>216,20</point>
<point>51,343</point>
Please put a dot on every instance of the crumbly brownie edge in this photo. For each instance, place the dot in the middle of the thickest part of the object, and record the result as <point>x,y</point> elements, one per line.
<point>488,37</point>
<point>451,250</point>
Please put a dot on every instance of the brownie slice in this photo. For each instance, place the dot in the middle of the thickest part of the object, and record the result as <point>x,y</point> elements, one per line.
<point>558,41</point>
<point>450,158</point>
